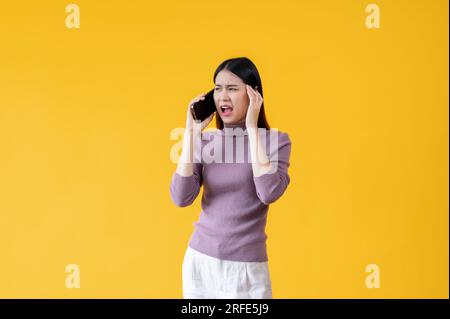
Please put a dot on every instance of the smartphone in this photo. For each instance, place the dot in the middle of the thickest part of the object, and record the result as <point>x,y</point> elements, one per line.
<point>204,108</point>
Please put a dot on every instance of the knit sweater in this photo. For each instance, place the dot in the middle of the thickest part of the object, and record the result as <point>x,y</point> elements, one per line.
<point>232,222</point>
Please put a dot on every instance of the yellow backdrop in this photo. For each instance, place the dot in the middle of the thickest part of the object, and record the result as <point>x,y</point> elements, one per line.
<point>86,115</point>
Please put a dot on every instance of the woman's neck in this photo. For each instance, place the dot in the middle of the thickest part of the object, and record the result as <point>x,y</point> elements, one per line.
<point>234,128</point>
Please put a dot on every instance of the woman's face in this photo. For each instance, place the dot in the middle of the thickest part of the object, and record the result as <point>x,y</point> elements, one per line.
<point>230,96</point>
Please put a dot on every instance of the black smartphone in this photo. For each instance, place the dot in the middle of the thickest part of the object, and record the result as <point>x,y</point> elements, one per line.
<point>204,108</point>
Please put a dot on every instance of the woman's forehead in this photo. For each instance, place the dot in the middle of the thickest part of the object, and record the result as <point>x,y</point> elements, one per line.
<point>226,77</point>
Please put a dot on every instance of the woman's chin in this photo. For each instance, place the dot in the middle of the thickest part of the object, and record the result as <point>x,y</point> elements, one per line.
<point>228,120</point>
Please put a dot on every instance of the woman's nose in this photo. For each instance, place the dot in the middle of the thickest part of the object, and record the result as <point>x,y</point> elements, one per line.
<point>223,95</point>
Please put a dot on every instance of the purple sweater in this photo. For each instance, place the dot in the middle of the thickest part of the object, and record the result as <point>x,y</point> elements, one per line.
<point>234,203</point>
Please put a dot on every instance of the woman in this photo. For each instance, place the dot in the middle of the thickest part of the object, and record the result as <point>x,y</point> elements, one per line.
<point>226,256</point>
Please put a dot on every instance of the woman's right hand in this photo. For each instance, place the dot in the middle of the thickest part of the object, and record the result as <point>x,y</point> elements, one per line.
<point>190,119</point>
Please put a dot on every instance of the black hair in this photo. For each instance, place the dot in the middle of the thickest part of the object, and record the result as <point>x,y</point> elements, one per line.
<point>245,69</point>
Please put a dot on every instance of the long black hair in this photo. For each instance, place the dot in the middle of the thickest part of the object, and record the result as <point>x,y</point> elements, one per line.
<point>244,68</point>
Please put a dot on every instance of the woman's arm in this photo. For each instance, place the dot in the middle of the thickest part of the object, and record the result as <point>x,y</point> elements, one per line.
<point>185,164</point>
<point>270,174</point>
<point>187,179</point>
<point>261,165</point>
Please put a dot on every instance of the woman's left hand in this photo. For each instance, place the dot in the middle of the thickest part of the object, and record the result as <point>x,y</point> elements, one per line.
<point>254,107</point>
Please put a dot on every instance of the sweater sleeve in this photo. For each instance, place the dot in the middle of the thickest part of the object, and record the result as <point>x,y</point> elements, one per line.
<point>270,186</point>
<point>185,189</point>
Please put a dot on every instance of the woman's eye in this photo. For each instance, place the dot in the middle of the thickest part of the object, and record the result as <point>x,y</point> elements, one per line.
<point>232,89</point>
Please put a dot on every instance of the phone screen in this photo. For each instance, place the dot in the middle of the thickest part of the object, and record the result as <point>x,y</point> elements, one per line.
<point>204,108</point>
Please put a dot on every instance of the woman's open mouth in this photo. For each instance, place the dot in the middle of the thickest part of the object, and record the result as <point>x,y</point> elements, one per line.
<point>226,110</point>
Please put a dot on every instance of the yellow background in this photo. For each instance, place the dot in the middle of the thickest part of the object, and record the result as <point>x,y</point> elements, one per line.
<point>85,118</point>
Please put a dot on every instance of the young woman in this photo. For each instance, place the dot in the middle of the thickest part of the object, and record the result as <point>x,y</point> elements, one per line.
<point>226,256</point>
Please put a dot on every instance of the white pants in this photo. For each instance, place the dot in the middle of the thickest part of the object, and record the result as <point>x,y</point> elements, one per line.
<point>212,278</point>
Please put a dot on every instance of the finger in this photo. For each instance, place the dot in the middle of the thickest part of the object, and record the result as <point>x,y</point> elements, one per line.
<point>250,92</point>
<point>198,99</point>
<point>253,92</point>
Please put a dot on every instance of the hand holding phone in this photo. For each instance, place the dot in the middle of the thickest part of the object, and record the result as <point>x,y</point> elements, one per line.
<point>202,109</point>
<point>196,110</point>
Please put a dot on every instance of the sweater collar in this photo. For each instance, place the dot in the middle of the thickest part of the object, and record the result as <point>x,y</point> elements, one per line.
<point>239,129</point>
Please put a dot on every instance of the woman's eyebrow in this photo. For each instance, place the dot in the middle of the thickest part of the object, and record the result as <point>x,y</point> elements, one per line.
<point>228,85</point>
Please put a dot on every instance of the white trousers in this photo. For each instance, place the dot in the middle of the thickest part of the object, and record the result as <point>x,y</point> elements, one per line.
<point>212,278</point>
